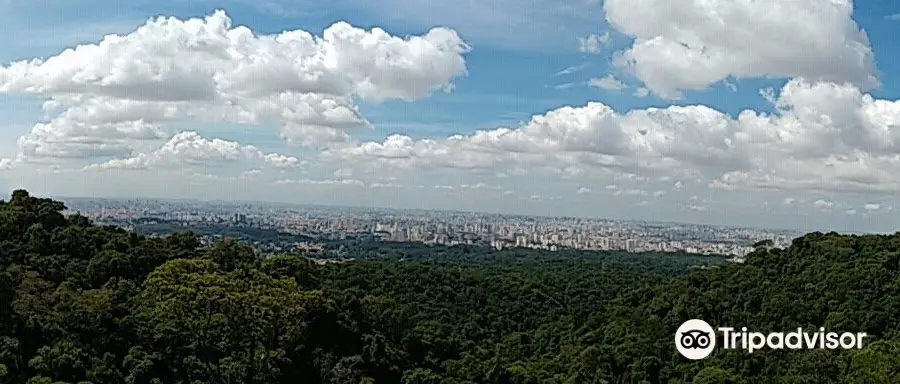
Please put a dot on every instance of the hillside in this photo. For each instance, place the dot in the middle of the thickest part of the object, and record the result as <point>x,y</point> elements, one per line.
<point>83,303</point>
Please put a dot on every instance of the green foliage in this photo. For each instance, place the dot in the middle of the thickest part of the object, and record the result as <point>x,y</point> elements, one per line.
<point>711,375</point>
<point>80,303</point>
<point>155,225</point>
<point>301,270</point>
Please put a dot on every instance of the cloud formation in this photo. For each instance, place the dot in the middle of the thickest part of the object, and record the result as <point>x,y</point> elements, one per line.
<point>608,82</point>
<point>824,137</point>
<point>593,43</point>
<point>684,45</point>
<point>126,89</point>
<point>190,149</point>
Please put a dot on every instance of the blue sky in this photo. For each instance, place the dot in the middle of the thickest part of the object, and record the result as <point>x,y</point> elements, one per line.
<point>526,60</point>
<point>512,71</point>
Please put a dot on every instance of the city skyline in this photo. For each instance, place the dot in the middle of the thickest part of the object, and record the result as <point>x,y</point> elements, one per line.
<point>317,225</point>
<point>700,112</point>
<point>257,203</point>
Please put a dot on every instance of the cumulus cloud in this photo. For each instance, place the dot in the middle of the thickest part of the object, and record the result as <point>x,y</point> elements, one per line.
<point>347,182</point>
<point>283,161</point>
<point>630,192</point>
<point>130,88</point>
<point>343,173</point>
<point>480,186</point>
<point>190,149</point>
<point>593,43</point>
<point>608,82</point>
<point>688,44</point>
<point>823,137</point>
<point>386,185</point>
<point>468,187</point>
<point>823,204</point>
<point>583,191</point>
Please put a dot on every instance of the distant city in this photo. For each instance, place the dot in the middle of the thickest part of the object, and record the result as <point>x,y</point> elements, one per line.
<point>435,227</point>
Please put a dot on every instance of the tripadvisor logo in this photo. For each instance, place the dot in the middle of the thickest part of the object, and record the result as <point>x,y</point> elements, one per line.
<point>695,339</point>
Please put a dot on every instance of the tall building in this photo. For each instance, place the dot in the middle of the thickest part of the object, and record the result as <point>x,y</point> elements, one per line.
<point>630,245</point>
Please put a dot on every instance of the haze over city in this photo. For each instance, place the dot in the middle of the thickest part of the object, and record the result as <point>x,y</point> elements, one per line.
<point>767,114</point>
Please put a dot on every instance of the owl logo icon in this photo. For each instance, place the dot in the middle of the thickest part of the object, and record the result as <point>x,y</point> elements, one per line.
<point>695,339</point>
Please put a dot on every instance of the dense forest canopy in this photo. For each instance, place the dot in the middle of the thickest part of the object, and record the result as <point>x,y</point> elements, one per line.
<point>82,303</point>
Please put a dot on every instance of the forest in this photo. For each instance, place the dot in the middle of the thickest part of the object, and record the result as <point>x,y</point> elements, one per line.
<point>83,303</point>
<point>169,227</point>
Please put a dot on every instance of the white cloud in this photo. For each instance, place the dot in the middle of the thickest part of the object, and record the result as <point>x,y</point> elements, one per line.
<point>571,70</point>
<point>126,89</point>
<point>538,197</point>
<point>343,173</point>
<point>583,191</point>
<point>593,43</point>
<point>480,186</point>
<point>468,187</point>
<point>730,85</point>
<point>630,192</point>
<point>685,44</point>
<point>823,204</point>
<point>824,137</point>
<point>190,149</point>
<point>641,92</point>
<point>348,182</point>
<point>5,164</point>
<point>252,173</point>
<point>608,82</point>
<point>872,206</point>
<point>283,161</point>
<point>386,185</point>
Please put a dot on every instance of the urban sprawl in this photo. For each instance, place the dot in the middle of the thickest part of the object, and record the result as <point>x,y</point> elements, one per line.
<point>436,227</point>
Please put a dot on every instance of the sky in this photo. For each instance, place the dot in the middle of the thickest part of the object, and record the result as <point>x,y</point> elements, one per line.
<point>760,113</point>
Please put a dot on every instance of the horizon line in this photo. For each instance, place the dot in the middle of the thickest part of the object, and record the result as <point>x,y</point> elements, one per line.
<point>439,210</point>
